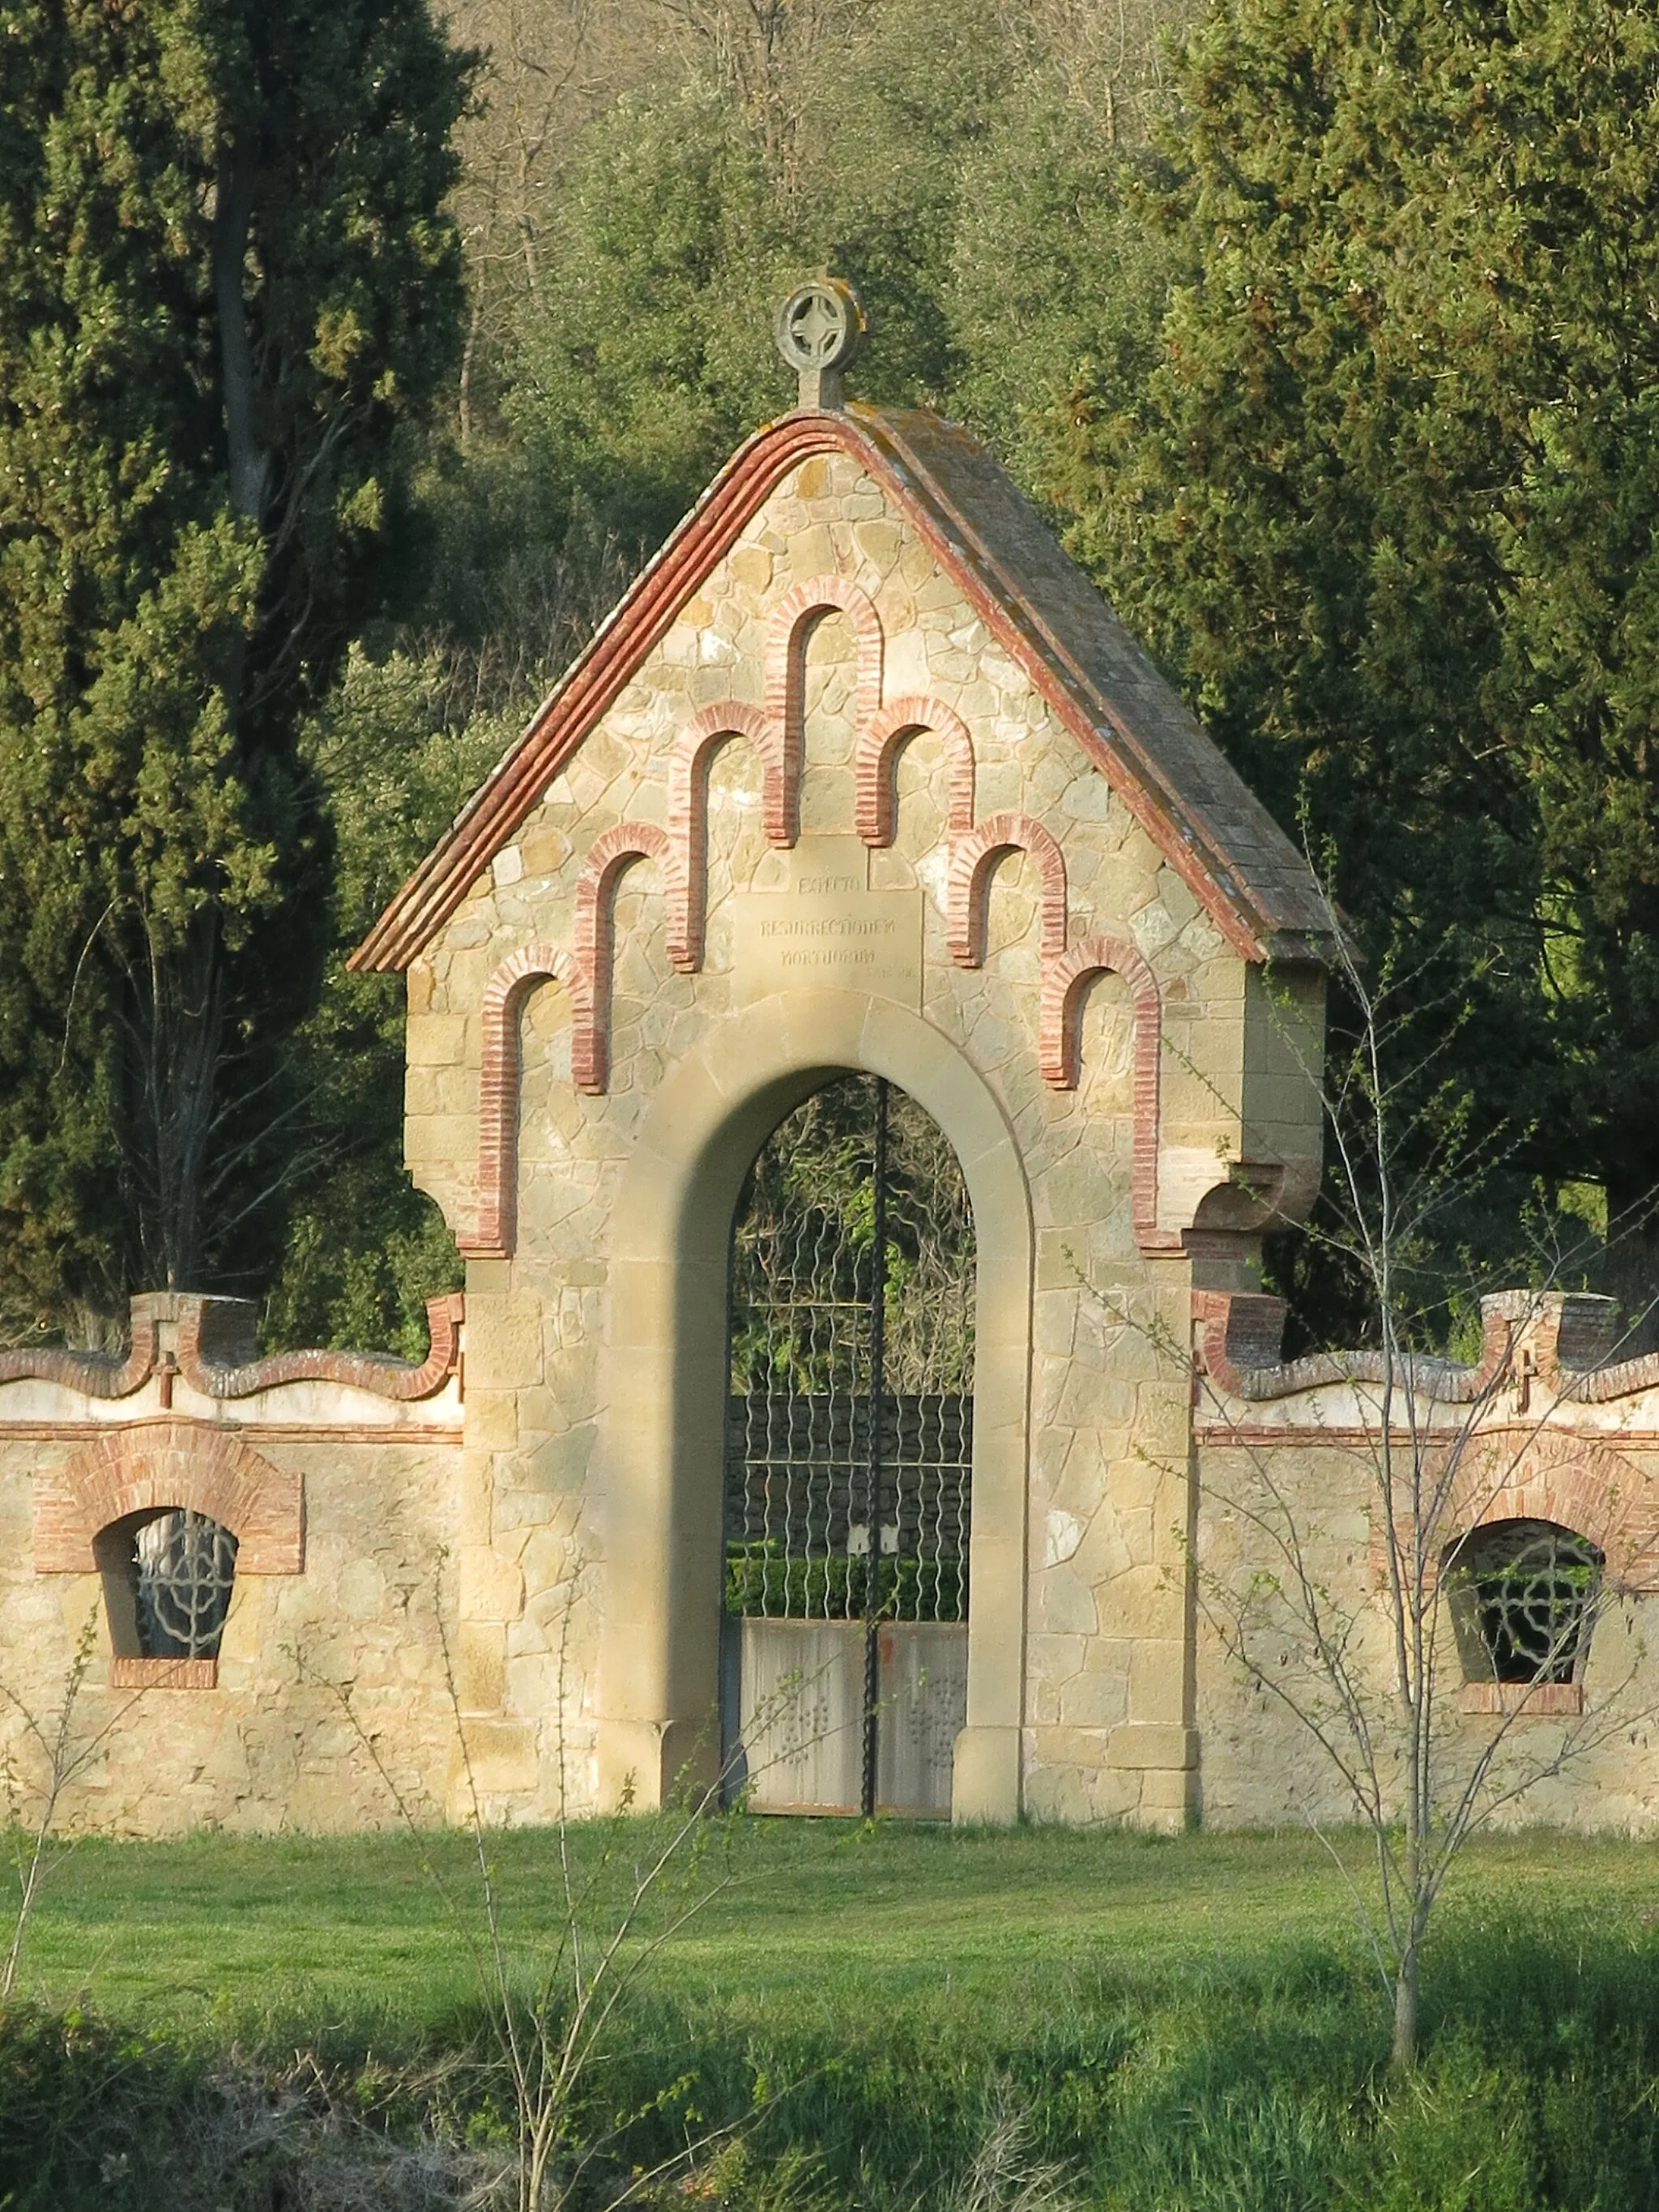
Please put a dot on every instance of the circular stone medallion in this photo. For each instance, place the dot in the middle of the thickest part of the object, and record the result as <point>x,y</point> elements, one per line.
<point>819,325</point>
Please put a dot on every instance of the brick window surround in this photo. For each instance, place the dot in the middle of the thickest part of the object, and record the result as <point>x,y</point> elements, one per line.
<point>157,1466</point>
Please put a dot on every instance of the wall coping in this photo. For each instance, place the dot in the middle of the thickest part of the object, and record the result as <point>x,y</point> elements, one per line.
<point>1560,1343</point>
<point>207,1343</point>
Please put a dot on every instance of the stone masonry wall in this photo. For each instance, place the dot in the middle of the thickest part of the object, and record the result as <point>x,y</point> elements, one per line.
<point>340,1484</point>
<point>1542,1428</point>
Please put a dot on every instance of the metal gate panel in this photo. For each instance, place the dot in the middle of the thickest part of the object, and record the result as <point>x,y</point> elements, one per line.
<point>849,1435</point>
<point>924,1702</point>
<point>802,1714</point>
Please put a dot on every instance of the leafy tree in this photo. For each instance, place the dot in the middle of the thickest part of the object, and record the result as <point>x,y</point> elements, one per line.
<point>938,155</point>
<point>226,292</point>
<point>650,356</point>
<point>363,1248</point>
<point>1387,505</point>
<point>1053,279</point>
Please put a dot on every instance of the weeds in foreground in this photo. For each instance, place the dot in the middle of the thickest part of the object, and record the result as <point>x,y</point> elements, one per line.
<point>93,2115</point>
<point>1008,2171</point>
<point>552,2007</point>
<point>66,1756</point>
<point>1207,2081</point>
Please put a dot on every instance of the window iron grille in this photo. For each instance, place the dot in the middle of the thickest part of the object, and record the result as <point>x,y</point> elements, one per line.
<point>1524,1599</point>
<point>184,1566</point>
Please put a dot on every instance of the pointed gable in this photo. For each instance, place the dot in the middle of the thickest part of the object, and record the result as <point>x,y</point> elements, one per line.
<point>1033,600</point>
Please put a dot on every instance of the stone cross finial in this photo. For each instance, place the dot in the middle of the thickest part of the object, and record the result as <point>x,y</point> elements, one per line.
<point>819,328</point>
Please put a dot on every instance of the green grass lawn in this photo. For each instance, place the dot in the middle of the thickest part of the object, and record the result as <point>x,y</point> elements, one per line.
<point>828,1918</point>
<point>1183,2026</point>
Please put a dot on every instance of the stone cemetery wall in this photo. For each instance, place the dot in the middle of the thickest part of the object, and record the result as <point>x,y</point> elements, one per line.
<point>338,1474</point>
<point>1549,1427</point>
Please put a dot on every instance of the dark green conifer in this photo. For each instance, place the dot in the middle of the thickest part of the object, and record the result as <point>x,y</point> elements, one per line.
<point>226,286</point>
<point>1388,505</point>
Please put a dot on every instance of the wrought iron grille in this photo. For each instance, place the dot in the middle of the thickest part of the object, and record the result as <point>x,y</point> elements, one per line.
<point>184,1564</point>
<point>849,1433</point>
<point>1523,1594</point>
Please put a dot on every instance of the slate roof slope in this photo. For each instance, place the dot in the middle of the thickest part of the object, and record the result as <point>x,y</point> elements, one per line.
<point>1068,621</point>
<point>1031,596</point>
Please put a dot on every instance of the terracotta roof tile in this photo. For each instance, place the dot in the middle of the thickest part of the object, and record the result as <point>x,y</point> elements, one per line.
<point>1136,712</point>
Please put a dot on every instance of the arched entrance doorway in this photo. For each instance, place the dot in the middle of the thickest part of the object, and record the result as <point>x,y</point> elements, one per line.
<point>667,1382</point>
<point>848,1453</point>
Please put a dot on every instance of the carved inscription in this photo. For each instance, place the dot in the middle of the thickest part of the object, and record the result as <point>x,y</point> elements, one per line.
<point>827,929</point>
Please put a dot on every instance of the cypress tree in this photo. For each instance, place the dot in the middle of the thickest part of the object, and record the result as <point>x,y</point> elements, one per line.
<point>227,290</point>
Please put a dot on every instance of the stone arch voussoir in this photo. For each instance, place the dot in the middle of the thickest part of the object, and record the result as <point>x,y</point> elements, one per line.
<point>669,1236</point>
<point>154,1466</point>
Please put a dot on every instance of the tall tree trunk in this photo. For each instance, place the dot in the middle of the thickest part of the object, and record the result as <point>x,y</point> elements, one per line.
<point>233,212</point>
<point>1402,2056</point>
<point>177,1025</point>
<point>176,1011</point>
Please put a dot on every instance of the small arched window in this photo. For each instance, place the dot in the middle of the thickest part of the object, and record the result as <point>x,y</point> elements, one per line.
<point>167,1583</point>
<point>1524,1598</point>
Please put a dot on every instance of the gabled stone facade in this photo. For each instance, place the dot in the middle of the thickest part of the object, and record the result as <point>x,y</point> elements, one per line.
<point>861,776</point>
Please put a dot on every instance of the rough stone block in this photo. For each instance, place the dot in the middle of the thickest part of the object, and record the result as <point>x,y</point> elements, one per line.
<point>1143,1745</point>
<point>492,1588</point>
<point>503,1342</point>
<point>480,1666</point>
<point>492,1420</point>
<point>436,1040</point>
<point>502,1756</point>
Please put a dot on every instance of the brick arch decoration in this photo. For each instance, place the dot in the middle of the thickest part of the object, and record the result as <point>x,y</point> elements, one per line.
<point>973,860</point>
<point>875,762</point>
<point>1065,980</point>
<point>609,857</point>
<point>1529,1473</point>
<point>495,1228</point>
<point>688,806</point>
<point>785,660</point>
<point>154,1466</point>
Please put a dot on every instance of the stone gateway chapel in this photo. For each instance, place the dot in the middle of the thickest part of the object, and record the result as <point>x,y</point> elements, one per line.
<point>859,1037</point>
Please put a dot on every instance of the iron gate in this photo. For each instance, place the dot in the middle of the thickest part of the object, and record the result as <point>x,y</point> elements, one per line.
<point>849,1441</point>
